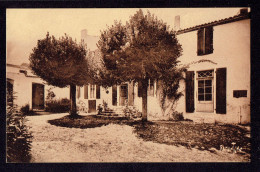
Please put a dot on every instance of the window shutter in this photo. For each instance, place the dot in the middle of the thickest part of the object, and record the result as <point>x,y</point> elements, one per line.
<point>200,42</point>
<point>85,91</point>
<point>209,40</point>
<point>189,91</point>
<point>114,95</point>
<point>139,89</point>
<point>97,92</point>
<point>221,79</point>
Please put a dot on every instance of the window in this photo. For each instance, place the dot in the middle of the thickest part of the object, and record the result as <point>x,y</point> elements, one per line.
<point>151,88</point>
<point>205,85</point>
<point>205,41</point>
<point>92,91</point>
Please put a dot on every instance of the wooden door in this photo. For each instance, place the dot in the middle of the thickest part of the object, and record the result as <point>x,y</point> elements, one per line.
<point>91,106</point>
<point>37,96</point>
<point>123,95</point>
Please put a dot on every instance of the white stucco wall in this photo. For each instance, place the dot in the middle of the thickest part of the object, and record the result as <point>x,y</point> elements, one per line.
<point>22,87</point>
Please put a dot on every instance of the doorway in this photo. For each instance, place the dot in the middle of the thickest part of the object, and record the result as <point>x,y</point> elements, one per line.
<point>205,91</point>
<point>123,95</point>
<point>37,96</point>
<point>91,106</point>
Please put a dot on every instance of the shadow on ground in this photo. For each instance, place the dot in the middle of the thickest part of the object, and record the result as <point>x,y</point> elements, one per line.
<point>185,133</point>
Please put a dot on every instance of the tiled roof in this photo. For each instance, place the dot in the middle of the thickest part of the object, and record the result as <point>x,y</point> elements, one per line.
<point>215,23</point>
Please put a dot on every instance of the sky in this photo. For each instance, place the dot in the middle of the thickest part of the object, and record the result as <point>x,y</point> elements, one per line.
<point>25,26</point>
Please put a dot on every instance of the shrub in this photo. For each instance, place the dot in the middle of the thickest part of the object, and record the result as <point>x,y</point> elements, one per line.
<point>25,109</point>
<point>58,106</point>
<point>18,138</point>
<point>131,112</point>
<point>50,95</point>
<point>177,116</point>
<point>100,109</point>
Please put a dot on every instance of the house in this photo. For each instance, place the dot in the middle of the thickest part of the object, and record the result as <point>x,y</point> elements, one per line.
<point>217,86</point>
<point>28,88</point>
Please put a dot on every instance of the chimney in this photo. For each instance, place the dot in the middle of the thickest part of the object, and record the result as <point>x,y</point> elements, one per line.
<point>84,34</point>
<point>243,11</point>
<point>177,23</point>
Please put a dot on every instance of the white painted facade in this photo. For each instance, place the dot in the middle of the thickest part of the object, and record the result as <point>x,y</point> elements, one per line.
<point>231,50</point>
<point>22,85</point>
<point>231,43</point>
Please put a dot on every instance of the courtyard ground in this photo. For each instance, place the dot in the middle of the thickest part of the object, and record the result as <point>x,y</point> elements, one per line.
<point>109,143</point>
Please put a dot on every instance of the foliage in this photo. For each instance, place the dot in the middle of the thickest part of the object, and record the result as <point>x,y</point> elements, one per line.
<point>177,116</point>
<point>105,105</point>
<point>50,95</point>
<point>25,110</point>
<point>61,62</point>
<point>58,106</point>
<point>81,106</point>
<point>145,48</point>
<point>18,137</point>
<point>100,109</point>
<point>131,112</point>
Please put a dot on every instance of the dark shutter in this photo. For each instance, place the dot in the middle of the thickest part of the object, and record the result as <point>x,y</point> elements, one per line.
<point>114,95</point>
<point>189,91</point>
<point>139,89</point>
<point>221,80</point>
<point>85,91</point>
<point>200,42</point>
<point>209,40</point>
<point>97,92</point>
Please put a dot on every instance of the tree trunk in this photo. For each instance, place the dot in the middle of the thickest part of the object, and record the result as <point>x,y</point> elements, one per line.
<point>144,99</point>
<point>73,107</point>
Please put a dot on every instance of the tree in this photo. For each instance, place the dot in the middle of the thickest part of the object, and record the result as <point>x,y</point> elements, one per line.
<point>61,62</point>
<point>145,48</point>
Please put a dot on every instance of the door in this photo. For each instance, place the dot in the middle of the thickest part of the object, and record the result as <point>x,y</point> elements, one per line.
<point>123,95</point>
<point>91,106</point>
<point>37,96</point>
<point>205,91</point>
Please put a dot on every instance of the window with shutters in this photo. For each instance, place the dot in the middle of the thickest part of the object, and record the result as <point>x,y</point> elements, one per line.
<point>205,41</point>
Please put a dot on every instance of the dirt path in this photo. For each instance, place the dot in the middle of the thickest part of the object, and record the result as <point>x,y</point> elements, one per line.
<point>111,143</point>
